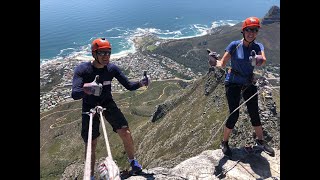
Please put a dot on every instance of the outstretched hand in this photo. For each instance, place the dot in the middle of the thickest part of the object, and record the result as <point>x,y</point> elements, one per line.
<point>256,60</point>
<point>145,81</point>
<point>259,60</point>
<point>219,64</point>
<point>213,57</point>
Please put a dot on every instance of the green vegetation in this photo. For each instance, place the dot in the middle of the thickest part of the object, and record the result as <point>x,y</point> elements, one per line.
<point>63,144</point>
<point>192,52</point>
<point>55,80</point>
<point>151,48</point>
<point>276,97</point>
<point>186,129</point>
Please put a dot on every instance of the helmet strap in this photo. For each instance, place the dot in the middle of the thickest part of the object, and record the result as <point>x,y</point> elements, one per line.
<point>96,58</point>
<point>246,40</point>
<point>97,61</point>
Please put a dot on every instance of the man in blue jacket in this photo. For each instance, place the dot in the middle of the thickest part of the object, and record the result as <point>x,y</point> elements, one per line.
<point>97,92</point>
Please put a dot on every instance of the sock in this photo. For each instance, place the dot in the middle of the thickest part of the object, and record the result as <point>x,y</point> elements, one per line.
<point>130,160</point>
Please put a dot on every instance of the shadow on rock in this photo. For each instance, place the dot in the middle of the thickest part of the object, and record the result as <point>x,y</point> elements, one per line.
<point>126,174</point>
<point>249,161</point>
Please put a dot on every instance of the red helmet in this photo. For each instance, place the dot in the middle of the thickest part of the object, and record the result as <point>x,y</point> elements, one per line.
<point>99,44</point>
<point>251,21</point>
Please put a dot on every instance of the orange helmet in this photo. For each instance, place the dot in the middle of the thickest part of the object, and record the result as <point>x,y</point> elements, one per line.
<point>251,21</point>
<point>99,44</point>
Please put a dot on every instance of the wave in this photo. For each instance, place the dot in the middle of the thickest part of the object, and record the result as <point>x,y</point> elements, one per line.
<point>122,43</point>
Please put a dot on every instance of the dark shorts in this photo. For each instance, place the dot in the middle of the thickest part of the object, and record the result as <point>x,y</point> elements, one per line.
<point>112,114</point>
<point>233,93</point>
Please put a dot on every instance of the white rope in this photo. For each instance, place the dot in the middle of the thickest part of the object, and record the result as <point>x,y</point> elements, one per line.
<point>87,168</point>
<point>111,170</point>
<point>233,112</point>
<point>100,110</point>
<point>258,89</point>
<point>272,78</point>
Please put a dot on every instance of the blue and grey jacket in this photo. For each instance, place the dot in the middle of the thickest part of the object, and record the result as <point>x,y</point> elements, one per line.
<point>241,68</point>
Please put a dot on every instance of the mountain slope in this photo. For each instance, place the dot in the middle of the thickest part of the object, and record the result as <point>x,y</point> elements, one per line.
<point>61,144</point>
<point>191,126</point>
<point>195,122</point>
<point>171,121</point>
<point>192,52</point>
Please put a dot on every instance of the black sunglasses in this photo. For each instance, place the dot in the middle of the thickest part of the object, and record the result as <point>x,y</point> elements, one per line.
<point>103,53</point>
<point>251,29</point>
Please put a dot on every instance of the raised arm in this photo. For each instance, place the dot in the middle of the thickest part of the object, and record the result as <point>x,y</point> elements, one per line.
<point>77,85</point>
<point>261,57</point>
<point>130,85</point>
<point>224,60</point>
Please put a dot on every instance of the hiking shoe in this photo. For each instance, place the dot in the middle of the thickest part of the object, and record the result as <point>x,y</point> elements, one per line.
<point>136,167</point>
<point>248,148</point>
<point>225,148</point>
<point>266,148</point>
<point>92,178</point>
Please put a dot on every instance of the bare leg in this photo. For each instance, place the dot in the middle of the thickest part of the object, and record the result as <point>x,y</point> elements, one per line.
<point>268,149</point>
<point>127,140</point>
<point>224,144</point>
<point>226,133</point>
<point>93,154</point>
<point>259,132</point>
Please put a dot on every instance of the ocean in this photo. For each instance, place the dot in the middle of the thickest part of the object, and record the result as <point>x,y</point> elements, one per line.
<point>68,27</point>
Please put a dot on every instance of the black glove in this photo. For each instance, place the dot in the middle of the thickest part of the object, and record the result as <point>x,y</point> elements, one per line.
<point>145,81</point>
<point>213,57</point>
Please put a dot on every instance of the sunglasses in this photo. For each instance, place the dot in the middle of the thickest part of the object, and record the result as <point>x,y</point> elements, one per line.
<point>103,53</point>
<point>251,29</point>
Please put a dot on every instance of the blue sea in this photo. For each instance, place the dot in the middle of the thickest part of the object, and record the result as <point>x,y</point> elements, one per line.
<point>67,27</point>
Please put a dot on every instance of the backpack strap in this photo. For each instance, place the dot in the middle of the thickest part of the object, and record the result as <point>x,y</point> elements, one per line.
<point>228,69</point>
<point>236,48</point>
<point>237,73</point>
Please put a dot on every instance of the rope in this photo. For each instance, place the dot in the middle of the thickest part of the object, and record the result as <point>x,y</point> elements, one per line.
<point>100,110</point>
<point>235,110</point>
<point>238,161</point>
<point>234,165</point>
<point>87,168</point>
<point>258,89</point>
<point>247,170</point>
<point>226,171</point>
<point>97,109</point>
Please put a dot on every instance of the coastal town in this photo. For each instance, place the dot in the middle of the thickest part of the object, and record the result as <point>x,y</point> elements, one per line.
<point>157,67</point>
<point>56,75</point>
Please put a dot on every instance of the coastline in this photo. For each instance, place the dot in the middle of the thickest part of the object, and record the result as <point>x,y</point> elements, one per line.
<point>56,75</point>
